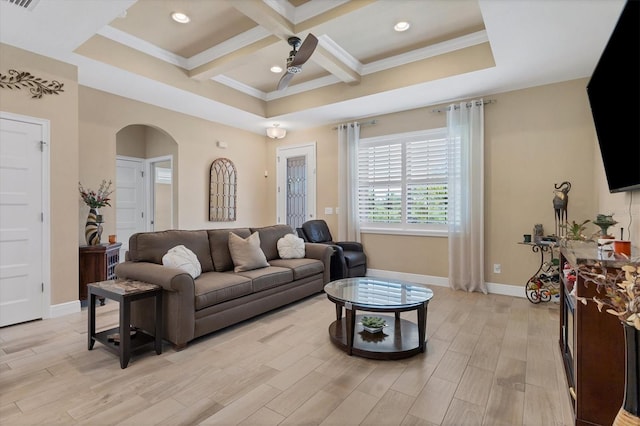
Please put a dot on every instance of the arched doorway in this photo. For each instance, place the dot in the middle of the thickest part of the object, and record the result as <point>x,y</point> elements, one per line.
<point>146,181</point>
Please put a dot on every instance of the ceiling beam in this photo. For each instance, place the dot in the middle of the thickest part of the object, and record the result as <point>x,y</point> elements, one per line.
<point>226,62</point>
<point>282,29</point>
<point>335,65</point>
<point>266,17</point>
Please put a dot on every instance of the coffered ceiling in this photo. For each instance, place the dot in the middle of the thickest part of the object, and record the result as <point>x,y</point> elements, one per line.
<point>217,66</point>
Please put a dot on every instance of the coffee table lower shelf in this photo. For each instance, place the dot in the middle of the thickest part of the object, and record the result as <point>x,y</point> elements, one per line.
<point>398,340</point>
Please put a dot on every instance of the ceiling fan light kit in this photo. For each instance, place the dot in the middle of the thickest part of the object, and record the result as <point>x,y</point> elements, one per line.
<point>276,132</point>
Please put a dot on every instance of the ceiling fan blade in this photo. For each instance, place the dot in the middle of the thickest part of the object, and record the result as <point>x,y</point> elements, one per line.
<point>284,80</point>
<point>306,49</point>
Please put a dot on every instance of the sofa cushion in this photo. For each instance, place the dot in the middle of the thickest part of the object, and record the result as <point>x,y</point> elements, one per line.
<point>219,247</point>
<point>302,268</point>
<point>265,278</point>
<point>246,252</point>
<point>269,236</point>
<point>182,258</point>
<point>151,246</point>
<point>291,247</point>
<point>212,288</point>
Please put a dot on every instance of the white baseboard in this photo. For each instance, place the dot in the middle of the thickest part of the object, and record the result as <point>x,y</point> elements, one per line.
<point>64,309</point>
<point>504,289</point>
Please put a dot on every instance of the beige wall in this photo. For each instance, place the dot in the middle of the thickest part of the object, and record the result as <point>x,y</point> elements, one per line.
<point>534,138</point>
<point>84,123</point>
<point>62,112</point>
<point>625,206</point>
<point>131,141</point>
<point>196,141</point>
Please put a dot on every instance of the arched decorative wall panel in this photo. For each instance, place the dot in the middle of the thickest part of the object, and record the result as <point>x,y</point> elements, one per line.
<point>222,191</point>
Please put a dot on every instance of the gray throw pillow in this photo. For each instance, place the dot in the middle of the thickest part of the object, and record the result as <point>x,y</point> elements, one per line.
<point>246,253</point>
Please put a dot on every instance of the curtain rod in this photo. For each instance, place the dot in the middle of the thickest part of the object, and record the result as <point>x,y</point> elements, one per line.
<point>468,104</point>
<point>364,123</point>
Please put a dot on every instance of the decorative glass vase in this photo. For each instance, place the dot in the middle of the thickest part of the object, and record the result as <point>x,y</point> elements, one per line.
<point>93,227</point>
<point>629,412</point>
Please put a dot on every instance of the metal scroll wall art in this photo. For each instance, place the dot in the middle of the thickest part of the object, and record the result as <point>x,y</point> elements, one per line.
<point>223,184</point>
<point>36,85</point>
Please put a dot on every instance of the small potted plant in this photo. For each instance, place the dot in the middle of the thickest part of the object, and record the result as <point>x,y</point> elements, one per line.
<point>373,324</point>
<point>574,232</point>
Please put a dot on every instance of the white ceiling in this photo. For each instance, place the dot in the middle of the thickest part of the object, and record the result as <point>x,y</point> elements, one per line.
<point>533,42</point>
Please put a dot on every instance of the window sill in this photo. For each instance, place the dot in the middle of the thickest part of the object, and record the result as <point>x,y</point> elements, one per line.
<point>412,232</point>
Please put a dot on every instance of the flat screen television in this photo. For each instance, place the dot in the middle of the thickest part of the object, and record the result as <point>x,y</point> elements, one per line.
<point>614,96</point>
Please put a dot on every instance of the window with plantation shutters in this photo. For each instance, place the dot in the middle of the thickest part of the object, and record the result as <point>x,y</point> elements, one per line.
<point>402,183</point>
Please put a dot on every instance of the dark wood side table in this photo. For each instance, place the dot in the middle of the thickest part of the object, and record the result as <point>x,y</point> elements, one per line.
<point>97,263</point>
<point>124,292</point>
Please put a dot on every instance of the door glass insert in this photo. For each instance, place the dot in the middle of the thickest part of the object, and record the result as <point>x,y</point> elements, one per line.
<point>296,191</point>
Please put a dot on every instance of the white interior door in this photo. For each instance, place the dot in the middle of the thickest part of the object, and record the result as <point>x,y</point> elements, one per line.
<point>21,221</point>
<point>296,177</point>
<point>130,200</point>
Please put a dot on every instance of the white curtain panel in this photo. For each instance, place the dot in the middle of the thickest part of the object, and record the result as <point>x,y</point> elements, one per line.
<point>348,221</point>
<point>465,125</point>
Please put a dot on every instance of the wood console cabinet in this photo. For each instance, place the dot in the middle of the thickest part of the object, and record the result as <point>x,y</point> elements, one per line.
<point>592,347</point>
<point>97,263</point>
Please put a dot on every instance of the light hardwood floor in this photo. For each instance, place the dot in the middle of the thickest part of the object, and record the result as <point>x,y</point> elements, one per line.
<point>490,360</point>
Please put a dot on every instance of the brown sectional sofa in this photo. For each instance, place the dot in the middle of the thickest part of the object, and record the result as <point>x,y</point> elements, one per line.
<point>219,297</point>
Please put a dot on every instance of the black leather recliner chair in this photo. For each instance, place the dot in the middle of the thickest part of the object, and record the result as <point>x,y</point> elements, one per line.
<point>348,260</point>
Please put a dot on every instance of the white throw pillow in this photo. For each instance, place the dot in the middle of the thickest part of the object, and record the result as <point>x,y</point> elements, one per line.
<point>246,253</point>
<point>182,258</point>
<point>291,247</point>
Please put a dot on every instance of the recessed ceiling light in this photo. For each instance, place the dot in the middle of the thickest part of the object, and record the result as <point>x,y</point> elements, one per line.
<point>401,26</point>
<point>276,69</point>
<point>180,17</point>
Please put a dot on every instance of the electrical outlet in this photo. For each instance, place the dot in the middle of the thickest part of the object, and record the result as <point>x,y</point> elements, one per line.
<point>328,210</point>
<point>497,268</point>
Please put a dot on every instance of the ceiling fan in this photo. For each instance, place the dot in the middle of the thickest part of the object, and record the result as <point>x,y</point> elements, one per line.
<point>297,57</point>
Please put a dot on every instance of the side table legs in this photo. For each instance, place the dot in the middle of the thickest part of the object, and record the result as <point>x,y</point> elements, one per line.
<point>92,320</point>
<point>158,331</point>
<point>125,333</point>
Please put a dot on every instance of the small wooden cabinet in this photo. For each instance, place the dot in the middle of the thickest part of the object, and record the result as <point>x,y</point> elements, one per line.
<point>592,347</point>
<point>97,263</point>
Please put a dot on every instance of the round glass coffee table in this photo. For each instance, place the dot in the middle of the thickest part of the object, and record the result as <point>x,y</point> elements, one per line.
<point>400,338</point>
